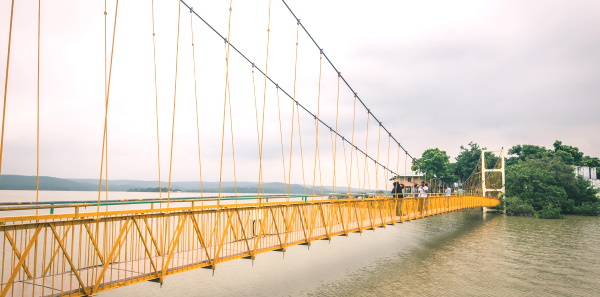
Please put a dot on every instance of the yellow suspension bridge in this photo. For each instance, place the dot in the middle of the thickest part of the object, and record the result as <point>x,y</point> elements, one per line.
<point>79,248</point>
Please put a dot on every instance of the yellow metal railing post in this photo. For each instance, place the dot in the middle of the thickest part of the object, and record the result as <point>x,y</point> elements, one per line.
<point>21,261</point>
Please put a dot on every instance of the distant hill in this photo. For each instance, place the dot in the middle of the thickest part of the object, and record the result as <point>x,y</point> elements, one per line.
<point>23,182</point>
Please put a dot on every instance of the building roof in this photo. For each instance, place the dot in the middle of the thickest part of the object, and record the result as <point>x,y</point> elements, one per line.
<point>408,174</point>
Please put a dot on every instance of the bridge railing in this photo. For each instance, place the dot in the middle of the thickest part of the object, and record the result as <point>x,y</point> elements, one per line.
<point>15,212</point>
<point>61,254</point>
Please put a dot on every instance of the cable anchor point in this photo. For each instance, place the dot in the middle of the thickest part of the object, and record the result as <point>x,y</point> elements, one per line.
<point>191,9</point>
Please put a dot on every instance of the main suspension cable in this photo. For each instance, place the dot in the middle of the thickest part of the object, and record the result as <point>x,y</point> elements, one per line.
<point>342,77</point>
<point>298,104</point>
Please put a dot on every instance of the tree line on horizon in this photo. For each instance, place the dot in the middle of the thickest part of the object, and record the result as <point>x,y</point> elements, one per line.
<point>539,181</point>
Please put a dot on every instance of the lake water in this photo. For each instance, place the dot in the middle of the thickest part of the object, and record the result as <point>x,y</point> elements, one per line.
<point>455,254</point>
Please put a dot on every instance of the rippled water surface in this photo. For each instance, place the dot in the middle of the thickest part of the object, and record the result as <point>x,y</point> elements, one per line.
<point>456,254</point>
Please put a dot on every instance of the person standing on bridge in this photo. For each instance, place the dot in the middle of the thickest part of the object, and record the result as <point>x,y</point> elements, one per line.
<point>426,202</point>
<point>398,190</point>
<point>448,192</point>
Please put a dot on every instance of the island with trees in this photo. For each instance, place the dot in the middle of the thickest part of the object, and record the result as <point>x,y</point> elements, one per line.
<point>540,182</point>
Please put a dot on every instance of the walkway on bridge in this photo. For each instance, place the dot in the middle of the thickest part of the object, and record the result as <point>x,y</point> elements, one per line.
<point>82,253</point>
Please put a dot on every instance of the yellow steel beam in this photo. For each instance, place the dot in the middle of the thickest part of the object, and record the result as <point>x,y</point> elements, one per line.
<point>112,254</point>
<point>220,246</point>
<point>243,229</point>
<point>276,227</point>
<point>68,257</point>
<point>303,222</point>
<point>21,262</point>
<point>94,243</point>
<point>173,246</point>
<point>150,256</point>
<point>16,251</point>
<point>199,235</point>
<point>56,250</point>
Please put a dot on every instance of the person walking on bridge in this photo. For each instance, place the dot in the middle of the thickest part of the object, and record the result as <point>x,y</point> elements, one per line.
<point>426,200</point>
<point>415,191</point>
<point>397,192</point>
<point>420,201</point>
<point>448,192</point>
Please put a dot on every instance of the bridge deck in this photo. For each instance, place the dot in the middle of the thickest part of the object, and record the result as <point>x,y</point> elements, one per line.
<point>91,254</point>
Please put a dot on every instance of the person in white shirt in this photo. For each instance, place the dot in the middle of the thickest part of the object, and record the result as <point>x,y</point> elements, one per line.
<point>420,201</point>
<point>448,191</point>
<point>426,202</point>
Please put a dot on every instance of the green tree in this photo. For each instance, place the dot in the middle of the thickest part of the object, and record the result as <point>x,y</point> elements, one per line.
<point>524,152</point>
<point>570,154</point>
<point>590,161</point>
<point>517,207</point>
<point>548,183</point>
<point>468,159</point>
<point>533,182</point>
<point>549,212</point>
<point>435,164</point>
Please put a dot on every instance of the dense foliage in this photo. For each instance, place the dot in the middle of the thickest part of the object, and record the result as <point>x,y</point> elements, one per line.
<point>467,160</point>
<point>539,181</point>
<point>517,207</point>
<point>545,179</point>
<point>435,163</point>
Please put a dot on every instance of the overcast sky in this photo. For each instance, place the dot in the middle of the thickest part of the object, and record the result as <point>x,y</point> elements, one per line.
<point>436,73</point>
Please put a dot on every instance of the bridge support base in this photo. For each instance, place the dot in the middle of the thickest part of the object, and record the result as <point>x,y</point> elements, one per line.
<point>490,209</point>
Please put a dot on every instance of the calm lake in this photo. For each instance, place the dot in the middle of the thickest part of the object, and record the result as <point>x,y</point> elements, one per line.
<point>455,254</point>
